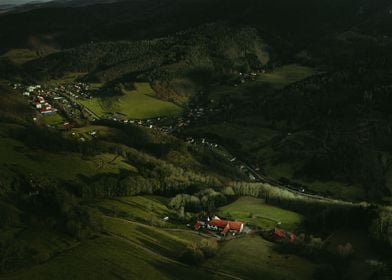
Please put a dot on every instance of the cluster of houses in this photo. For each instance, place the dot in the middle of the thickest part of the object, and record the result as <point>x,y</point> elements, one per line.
<point>43,106</point>
<point>223,227</point>
<point>226,227</point>
<point>38,99</point>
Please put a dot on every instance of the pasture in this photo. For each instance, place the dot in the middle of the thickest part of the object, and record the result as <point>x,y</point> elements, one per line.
<point>252,257</point>
<point>58,165</point>
<point>140,103</point>
<point>277,79</point>
<point>256,212</point>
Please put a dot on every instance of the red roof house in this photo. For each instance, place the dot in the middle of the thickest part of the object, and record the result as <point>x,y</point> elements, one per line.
<point>280,235</point>
<point>225,226</point>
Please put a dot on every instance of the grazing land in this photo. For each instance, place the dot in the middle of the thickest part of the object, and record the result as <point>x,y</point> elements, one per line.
<point>243,256</point>
<point>140,103</point>
<point>15,153</point>
<point>256,212</point>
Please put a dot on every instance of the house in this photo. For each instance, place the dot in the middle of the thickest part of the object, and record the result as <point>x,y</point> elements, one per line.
<point>279,235</point>
<point>222,226</point>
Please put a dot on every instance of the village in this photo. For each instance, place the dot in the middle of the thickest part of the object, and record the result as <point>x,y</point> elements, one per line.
<point>63,100</point>
<point>62,103</point>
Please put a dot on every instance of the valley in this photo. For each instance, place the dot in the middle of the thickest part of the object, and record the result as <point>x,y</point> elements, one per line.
<point>196,139</point>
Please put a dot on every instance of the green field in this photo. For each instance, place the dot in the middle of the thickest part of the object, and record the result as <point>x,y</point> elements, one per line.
<point>256,212</point>
<point>58,165</point>
<point>147,209</point>
<point>277,79</point>
<point>126,250</point>
<point>131,248</point>
<point>55,119</point>
<point>140,103</point>
<point>108,258</point>
<point>252,257</point>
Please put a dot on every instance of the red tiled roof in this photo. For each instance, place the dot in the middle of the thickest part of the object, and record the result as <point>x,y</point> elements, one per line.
<point>226,224</point>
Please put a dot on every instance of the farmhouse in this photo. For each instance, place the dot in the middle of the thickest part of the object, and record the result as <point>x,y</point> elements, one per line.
<point>278,235</point>
<point>222,226</point>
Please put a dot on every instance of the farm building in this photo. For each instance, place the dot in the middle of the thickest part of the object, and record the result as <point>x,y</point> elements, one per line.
<point>222,226</point>
<point>278,235</point>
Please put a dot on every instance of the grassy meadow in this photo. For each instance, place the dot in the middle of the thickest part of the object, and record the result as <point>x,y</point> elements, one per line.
<point>55,119</point>
<point>135,241</point>
<point>58,165</point>
<point>256,212</point>
<point>276,79</point>
<point>139,103</point>
<point>252,257</point>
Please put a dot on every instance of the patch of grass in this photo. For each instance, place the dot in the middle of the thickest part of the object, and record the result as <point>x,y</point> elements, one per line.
<point>255,211</point>
<point>58,165</point>
<point>108,258</point>
<point>252,257</point>
<point>159,240</point>
<point>140,103</point>
<point>54,119</point>
<point>277,79</point>
<point>140,208</point>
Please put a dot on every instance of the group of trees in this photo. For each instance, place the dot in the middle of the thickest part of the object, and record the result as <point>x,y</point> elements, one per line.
<point>205,200</point>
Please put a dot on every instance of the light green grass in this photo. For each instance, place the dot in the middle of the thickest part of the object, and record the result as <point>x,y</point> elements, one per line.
<point>54,119</point>
<point>256,212</point>
<point>252,257</point>
<point>136,104</point>
<point>159,240</point>
<point>146,209</point>
<point>58,165</point>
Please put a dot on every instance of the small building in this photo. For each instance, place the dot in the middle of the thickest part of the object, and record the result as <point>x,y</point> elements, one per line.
<point>222,226</point>
<point>279,235</point>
